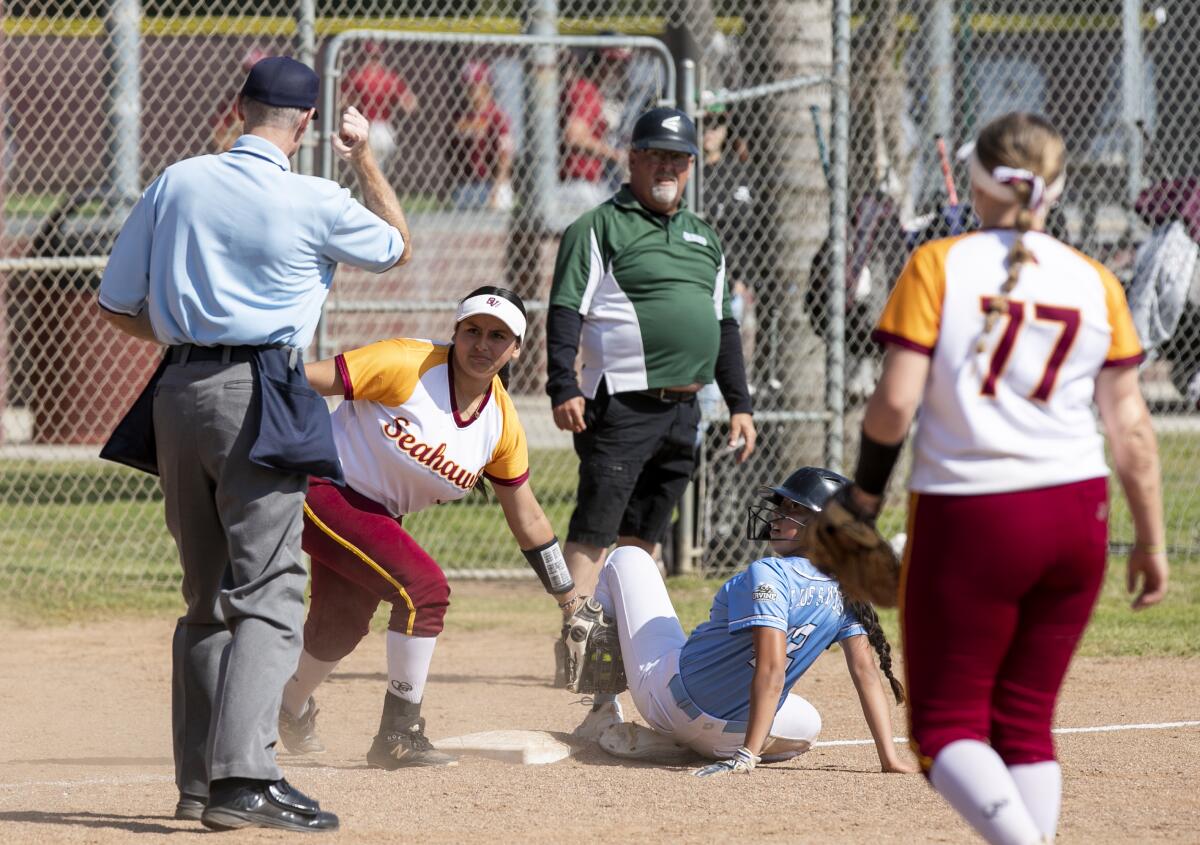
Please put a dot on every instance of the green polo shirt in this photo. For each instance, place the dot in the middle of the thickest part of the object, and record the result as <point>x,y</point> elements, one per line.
<point>652,293</point>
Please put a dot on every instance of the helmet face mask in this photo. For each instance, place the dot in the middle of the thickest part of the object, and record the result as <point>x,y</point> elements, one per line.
<point>797,499</point>
<point>773,508</point>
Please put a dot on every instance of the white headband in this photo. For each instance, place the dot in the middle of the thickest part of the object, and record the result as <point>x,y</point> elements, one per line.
<point>497,306</point>
<point>999,184</point>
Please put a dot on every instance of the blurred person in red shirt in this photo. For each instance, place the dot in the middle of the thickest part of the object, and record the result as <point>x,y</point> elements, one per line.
<point>381,95</point>
<point>590,115</point>
<point>484,155</point>
<point>226,125</point>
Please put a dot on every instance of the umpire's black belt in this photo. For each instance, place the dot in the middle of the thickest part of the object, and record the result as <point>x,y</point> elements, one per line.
<point>664,395</point>
<point>185,353</point>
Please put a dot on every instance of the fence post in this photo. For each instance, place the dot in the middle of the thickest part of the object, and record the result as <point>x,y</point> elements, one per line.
<point>689,108</point>
<point>122,50</point>
<point>835,360</point>
<point>543,112</point>
<point>1131,97</point>
<point>306,52</point>
<point>941,68</point>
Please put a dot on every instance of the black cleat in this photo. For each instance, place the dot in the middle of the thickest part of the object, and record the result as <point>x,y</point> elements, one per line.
<point>276,805</point>
<point>299,733</point>
<point>406,748</point>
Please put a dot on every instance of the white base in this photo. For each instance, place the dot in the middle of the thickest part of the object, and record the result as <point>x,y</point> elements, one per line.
<point>530,748</point>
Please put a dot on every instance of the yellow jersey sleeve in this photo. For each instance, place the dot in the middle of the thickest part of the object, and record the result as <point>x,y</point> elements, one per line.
<point>913,312</point>
<point>388,371</point>
<point>509,464</point>
<point>1125,349</point>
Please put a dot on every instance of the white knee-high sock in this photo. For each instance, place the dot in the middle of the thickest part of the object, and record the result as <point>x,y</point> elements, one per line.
<point>408,664</point>
<point>309,674</point>
<point>1040,785</point>
<point>976,783</point>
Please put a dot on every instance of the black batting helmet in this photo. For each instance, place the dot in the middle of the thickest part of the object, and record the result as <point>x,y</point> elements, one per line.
<point>665,129</point>
<point>809,487</point>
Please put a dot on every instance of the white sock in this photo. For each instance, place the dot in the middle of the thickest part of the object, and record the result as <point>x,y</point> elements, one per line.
<point>1040,785</point>
<point>976,783</point>
<point>309,674</point>
<point>408,664</point>
<point>599,699</point>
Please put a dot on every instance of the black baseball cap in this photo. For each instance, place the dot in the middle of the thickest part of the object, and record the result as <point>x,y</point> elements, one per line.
<point>282,81</point>
<point>665,129</point>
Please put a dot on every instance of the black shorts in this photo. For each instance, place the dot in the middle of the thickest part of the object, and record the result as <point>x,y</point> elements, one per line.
<point>636,457</point>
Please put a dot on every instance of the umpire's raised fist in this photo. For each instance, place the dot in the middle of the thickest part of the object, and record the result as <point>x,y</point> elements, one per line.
<point>350,142</point>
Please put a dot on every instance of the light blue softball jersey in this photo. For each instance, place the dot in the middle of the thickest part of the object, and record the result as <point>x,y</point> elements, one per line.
<point>717,661</point>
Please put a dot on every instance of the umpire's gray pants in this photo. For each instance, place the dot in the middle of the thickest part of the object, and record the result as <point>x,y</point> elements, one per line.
<point>237,526</point>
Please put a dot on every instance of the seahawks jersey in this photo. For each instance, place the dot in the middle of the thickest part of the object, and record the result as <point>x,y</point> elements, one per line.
<point>716,664</point>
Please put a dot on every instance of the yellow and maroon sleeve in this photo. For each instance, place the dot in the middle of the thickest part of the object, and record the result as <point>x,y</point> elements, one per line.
<point>387,371</point>
<point>510,459</point>
<point>914,310</point>
<point>1125,349</point>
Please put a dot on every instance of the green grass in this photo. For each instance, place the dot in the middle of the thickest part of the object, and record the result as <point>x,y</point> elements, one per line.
<point>39,205</point>
<point>21,205</point>
<point>86,540</point>
<point>1168,629</point>
<point>1180,456</point>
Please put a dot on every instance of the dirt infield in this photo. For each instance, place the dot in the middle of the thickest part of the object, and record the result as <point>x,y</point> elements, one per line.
<point>86,754</point>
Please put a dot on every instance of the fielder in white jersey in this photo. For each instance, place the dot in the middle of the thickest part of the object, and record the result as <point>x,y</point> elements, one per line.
<point>422,423</point>
<point>724,692</point>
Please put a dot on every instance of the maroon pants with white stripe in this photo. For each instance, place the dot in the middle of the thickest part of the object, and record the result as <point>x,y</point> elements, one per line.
<point>361,556</point>
<point>997,590</point>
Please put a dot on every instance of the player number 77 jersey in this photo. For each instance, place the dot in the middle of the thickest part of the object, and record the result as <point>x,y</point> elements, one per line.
<point>1018,414</point>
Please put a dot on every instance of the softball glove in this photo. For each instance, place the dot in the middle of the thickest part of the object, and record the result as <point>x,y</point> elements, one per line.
<point>843,542</point>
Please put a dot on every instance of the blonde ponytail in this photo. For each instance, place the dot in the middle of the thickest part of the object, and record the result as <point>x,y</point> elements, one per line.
<point>1028,142</point>
<point>1018,256</point>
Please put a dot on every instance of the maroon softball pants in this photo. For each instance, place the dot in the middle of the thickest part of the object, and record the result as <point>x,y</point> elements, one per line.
<point>361,556</point>
<point>996,592</point>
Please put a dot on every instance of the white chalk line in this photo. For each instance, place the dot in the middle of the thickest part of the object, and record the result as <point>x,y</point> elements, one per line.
<point>1097,729</point>
<point>829,743</point>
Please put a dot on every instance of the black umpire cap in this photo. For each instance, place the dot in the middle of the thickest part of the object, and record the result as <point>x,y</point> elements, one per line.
<point>665,129</point>
<point>283,82</point>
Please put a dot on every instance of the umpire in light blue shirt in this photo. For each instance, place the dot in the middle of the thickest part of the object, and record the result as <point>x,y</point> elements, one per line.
<point>227,260</point>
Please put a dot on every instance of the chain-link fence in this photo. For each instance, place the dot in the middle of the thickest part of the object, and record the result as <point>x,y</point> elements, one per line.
<point>1113,77</point>
<point>98,97</point>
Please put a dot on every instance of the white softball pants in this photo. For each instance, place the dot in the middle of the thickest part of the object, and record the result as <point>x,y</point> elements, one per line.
<point>632,592</point>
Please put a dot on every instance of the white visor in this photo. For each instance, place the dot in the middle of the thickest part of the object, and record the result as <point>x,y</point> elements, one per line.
<point>495,306</point>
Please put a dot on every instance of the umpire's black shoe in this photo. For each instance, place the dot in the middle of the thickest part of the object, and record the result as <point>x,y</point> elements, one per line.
<point>400,749</point>
<point>276,804</point>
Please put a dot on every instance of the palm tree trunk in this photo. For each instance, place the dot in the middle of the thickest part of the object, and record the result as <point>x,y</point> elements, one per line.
<point>789,38</point>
